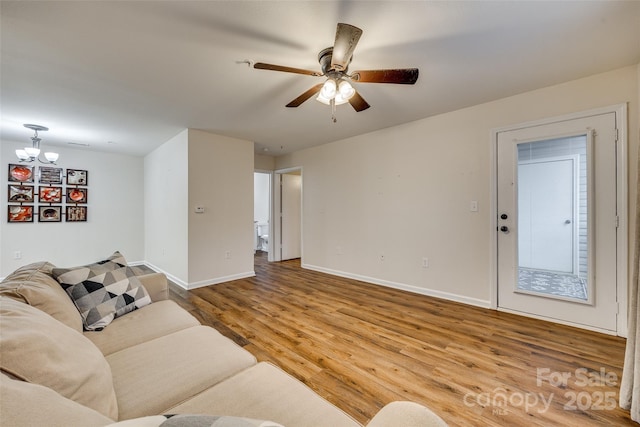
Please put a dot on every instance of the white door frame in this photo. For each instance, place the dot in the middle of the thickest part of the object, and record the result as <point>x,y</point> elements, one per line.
<point>622,237</point>
<point>275,254</point>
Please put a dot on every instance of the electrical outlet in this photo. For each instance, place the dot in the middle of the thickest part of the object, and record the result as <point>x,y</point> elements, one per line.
<point>425,262</point>
<point>17,255</point>
<point>381,257</point>
<point>227,255</point>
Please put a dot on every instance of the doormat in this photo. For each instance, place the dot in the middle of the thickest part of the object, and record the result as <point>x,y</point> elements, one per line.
<point>548,282</point>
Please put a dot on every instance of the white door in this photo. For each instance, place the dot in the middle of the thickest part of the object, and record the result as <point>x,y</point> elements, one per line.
<point>291,198</point>
<point>547,213</point>
<point>535,277</point>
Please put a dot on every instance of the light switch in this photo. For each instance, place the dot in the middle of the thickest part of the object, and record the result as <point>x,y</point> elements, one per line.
<point>473,206</point>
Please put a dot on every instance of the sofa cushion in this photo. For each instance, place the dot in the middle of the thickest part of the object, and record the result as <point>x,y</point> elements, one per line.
<point>103,290</point>
<point>153,376</point>
<point>267,392</point>
<point>34,285</point>
<point>188,420</point>
<point>35,347</point>
<point>150,322</point>
<point>24,404</point>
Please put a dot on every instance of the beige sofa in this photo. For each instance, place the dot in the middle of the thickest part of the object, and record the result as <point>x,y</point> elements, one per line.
<point>155,360</point>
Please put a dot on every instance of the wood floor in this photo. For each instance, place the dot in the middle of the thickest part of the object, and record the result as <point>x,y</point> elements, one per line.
<point>361,346</point>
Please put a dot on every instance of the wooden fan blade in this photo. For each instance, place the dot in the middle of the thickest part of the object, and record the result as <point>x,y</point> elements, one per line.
<point>263,66</point>
<point>308,94</point>
<point>358,103</point>
<point>347,37</point>
<point>406,76</point>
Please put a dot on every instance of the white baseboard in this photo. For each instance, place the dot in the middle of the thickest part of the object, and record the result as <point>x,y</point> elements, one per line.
<point>403,286</point>
<point>223,279</point>
<point>201,283</point>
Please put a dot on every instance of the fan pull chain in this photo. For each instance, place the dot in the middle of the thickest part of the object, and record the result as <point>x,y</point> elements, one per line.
<point>333,110</point>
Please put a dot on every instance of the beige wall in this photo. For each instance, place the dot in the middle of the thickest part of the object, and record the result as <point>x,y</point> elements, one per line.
<point>115,215</point>
<point>264,163</point>
<point>200,169</point>
<point>404,192</point>
<point>221,181</point>
<point>166,223</point>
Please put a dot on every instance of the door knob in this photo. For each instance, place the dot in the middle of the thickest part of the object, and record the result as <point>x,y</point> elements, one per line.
<point>568,221</point>
<point>504,229</point>
<point>504,216</point>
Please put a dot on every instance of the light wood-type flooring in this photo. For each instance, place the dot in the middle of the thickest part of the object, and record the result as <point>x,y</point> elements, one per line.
<point>361,346</point>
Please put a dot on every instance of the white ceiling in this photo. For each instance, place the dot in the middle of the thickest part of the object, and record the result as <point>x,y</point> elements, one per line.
<point>125,76</point>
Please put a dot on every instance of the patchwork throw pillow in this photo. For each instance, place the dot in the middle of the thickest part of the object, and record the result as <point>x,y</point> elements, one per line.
<point>103,291</point>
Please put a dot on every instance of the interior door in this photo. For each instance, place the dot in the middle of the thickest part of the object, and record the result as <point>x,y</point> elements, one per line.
<point>291,204</point>
<point>530,282</point>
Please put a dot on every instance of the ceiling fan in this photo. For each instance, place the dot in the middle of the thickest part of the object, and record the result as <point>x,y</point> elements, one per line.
<point>334,63</point>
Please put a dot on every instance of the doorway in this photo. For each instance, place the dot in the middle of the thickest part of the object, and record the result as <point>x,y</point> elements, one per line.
<point>261,211</point>
<point>287,231</point>
<point>560,250</point>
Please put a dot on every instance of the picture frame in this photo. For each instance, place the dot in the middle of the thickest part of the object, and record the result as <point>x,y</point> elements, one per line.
<point>20,213</point>
<point>76,195</point>
<point>50,214</point>
<point>49,175</point>
<point>17,193</point>
<point>76,214</point>
<point>77,177</point>
<point>20,173</point>
<point>48,194</point>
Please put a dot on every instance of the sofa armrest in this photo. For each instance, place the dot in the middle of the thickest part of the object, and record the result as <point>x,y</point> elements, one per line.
<point>157,286</point>
<point>406,414</point>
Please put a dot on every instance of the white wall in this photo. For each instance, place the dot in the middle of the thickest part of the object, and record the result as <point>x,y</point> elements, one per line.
<point>404,192</point>
<point>115,219</point>
<point>166,211</point>
<point>220,180</point>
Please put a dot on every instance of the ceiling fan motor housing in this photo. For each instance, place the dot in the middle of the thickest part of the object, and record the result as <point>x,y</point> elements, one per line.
<point>324,58</point>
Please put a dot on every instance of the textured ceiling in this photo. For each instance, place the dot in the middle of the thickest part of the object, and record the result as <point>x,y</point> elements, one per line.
<point>126,76</point>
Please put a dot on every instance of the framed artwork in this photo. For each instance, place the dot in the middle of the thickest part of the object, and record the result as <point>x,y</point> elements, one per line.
<point>20,173</point>
<point>50,194</point>
<point>50,214</point>
<point>20,193</point>
<point>20,213</point>
<point>77,195</point>
<point>49,175</point>
<point>77,177</point>
<point>76,213</point>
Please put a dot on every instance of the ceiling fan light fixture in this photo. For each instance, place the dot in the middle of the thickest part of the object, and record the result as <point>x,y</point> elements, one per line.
<point>329,89</point>
<point>345,90</point>
<point>341,99</point>
<point>322,99</point>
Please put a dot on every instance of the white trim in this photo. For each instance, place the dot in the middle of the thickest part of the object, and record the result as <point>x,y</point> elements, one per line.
<point>217,280</point>
<point>561,322</point>
<point>402,286</point>
<point>202,283</point>
<point>170,276</point>
<point>276,202</point>
<point>620,111</point>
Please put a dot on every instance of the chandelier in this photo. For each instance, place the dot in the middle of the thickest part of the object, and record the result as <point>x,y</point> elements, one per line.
<point>30,154</point>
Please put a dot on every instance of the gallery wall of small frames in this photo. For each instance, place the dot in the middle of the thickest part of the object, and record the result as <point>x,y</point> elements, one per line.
<point>47,193</point>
